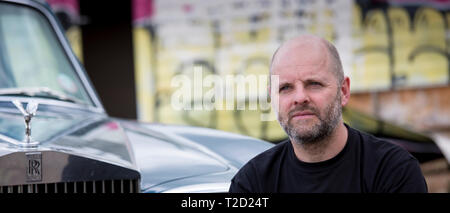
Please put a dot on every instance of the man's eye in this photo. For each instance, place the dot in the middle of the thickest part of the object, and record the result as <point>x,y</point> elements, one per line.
<point>316,84</point>
<point>284,88</point>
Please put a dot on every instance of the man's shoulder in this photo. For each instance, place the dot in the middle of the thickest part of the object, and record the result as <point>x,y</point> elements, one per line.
<point>389,167</point>
<point>257,169</point>
<point>266,159</point>
<point>272,153</point>
<point>377,147</point>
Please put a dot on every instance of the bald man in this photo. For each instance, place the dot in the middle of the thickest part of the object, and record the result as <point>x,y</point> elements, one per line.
<point>322,154</point>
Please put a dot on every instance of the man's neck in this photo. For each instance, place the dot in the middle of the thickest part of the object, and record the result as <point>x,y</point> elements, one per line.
<point>322,150</point>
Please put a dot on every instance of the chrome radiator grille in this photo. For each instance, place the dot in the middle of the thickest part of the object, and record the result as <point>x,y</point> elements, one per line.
<point>103,186</point>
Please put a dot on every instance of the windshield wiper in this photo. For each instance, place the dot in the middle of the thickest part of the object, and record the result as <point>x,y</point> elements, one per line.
<point>40,92</point>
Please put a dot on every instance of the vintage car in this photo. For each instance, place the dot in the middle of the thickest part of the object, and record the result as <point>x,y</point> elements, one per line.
<point>55,136</point>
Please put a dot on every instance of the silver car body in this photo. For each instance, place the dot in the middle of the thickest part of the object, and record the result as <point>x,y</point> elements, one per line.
<point>81,149</point>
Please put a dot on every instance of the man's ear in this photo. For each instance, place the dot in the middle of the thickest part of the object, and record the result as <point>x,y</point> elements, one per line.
<point>345,91</point>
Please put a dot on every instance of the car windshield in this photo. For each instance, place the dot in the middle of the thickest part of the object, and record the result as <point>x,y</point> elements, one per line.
<point>32,60</point>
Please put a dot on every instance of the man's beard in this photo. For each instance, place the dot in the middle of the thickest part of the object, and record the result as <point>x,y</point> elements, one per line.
<point>328,121</point>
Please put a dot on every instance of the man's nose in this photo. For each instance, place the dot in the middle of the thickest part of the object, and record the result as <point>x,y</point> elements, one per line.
<point>301,97</point>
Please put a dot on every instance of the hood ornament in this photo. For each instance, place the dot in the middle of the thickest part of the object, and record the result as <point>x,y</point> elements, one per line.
<point>28,114</point>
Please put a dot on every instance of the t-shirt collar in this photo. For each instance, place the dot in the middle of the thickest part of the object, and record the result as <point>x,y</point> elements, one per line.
<point>327,164</point>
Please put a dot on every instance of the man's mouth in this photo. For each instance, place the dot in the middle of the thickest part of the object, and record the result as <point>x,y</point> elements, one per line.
<point>302,115</point>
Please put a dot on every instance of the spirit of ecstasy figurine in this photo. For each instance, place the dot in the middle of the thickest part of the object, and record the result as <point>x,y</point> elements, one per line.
<point>28,114</point>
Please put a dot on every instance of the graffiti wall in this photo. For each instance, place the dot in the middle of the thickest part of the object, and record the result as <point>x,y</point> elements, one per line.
<point>384,45</point>
<point>400,44</point>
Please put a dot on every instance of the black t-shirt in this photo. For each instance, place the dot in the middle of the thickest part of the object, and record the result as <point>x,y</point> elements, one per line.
<point>365,164</point>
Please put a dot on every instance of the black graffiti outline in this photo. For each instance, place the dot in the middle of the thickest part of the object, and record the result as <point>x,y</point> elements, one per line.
<point>395,79</point>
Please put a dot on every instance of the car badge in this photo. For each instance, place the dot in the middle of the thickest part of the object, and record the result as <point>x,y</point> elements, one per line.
<point>34,166</point>
<point>28,114</point>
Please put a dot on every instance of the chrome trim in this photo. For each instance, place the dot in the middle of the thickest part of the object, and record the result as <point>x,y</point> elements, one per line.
<point>10,140</point>
<point>28,115</point>
<point>112,187</point>
<point>131,186</point>
<point>90,118</point>
<point>60,167</point>
<point>71,187</point>
<point>67,49</point>
<point>52,102</point>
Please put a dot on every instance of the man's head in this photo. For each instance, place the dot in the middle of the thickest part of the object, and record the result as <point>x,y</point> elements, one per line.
<point>312,88</point>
